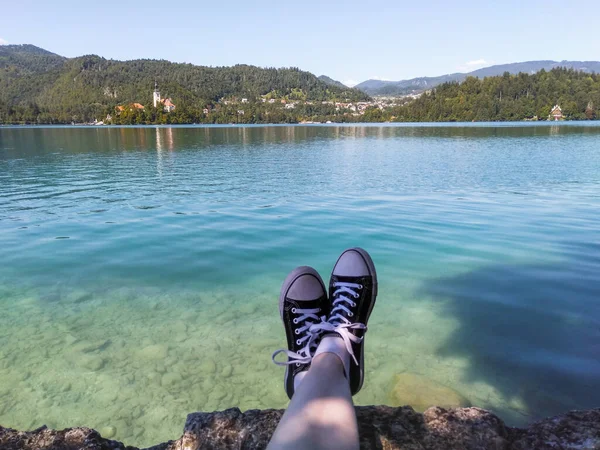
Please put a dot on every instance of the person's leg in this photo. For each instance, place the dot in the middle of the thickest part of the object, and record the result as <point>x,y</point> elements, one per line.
<point>321,414</point>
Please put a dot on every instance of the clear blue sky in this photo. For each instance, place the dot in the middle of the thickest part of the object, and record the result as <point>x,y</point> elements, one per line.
<point>347,40</point>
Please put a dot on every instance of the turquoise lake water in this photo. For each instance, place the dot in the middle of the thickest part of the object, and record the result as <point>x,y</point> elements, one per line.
<point>141,267</point>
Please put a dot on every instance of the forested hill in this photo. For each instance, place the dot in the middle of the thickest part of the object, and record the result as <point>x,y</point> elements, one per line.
<point>37,86</point>
<point>86,87</point>
<point>508,97</point>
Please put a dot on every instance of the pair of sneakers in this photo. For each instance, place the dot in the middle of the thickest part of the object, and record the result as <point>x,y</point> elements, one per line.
<point>309,315</point>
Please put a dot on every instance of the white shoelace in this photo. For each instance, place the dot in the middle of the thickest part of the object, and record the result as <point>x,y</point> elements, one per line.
<point>339,324</point>
<point>304,355</point>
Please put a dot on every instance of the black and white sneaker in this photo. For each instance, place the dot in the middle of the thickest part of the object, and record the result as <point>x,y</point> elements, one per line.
<point>302,303</point>
<point>352,294</point>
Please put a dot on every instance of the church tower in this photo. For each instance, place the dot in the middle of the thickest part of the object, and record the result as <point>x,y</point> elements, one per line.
<point>156,95</point>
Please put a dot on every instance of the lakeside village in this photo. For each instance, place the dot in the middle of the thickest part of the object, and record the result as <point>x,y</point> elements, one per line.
<point>269,108</point>
<point>236,109</point>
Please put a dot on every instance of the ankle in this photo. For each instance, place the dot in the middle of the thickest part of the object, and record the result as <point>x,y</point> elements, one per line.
<point>328,361</point>
<point>332,345</point>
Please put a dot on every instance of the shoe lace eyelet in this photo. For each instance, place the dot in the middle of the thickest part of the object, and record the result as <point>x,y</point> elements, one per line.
<point>298,342</point>
<point>360,286</point>
<point>356,295</point>
<point>297,364</point>
<point>294,310</point>
<point>297,331</point>
<point>351,315</point>
<point>295,321</point>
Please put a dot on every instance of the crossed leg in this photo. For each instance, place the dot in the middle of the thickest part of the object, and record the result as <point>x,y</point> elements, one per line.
<point>321,414</point>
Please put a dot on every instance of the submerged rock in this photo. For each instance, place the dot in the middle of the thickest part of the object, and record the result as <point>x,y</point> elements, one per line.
<point>421,392</point>
<point>154,352</point>
<point>170,379</point>
<point>93,363</point>
<point>207,367</point>
<point>78,296</point>
<point>226,372</point>
<point>90,346</point>
<point>108,432</point>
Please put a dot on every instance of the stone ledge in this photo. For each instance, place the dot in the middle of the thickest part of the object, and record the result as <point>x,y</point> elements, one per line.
<point>380,427</point>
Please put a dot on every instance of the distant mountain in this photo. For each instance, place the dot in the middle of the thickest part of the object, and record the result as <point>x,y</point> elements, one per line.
<point>332,82</point>
<point>416,85</point>
<point>87,86</point>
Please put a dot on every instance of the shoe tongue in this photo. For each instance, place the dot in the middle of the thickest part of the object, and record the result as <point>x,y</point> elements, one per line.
<point>346,279</point>
<point>308,304</point>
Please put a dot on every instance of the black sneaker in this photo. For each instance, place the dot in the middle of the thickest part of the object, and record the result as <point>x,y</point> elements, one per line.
<point>302,302</point>
<point>352,294</point>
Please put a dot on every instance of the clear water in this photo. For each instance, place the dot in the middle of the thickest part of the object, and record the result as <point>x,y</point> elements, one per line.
<point>141,266</point>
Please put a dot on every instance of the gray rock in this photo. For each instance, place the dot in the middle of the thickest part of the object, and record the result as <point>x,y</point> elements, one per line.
<point>380,427</point>
<point>574,430</point>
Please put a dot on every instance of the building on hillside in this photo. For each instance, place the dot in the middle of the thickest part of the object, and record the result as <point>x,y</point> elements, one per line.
<point>130,107</point>
<point>169,106</point>
<point>556,113</point>
<point>244,100</point>
<point>156,95</point>
<point>166,102</point>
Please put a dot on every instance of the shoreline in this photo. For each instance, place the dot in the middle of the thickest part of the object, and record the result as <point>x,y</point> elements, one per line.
<point>524,123</point>
<point>379,427</point>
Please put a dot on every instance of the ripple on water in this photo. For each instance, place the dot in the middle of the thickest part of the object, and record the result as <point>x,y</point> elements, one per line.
<point>166,302</point>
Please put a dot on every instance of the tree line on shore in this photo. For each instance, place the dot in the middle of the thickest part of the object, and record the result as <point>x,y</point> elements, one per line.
<point>38,87</point>
<point>508,97</point>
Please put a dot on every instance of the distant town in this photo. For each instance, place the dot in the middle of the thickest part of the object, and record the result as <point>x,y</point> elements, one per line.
<point>352,109</point>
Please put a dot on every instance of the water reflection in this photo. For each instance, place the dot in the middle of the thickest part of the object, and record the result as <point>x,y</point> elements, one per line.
<point>159,154</point>
<point>111,139</point>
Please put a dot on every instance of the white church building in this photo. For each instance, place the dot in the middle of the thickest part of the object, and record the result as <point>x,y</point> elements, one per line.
<point>156,100</point>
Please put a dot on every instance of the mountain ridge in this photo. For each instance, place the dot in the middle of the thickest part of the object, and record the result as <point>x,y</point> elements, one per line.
<point>420,84</point>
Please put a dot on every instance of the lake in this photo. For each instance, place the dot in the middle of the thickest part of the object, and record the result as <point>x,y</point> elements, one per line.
<point>141,267</point>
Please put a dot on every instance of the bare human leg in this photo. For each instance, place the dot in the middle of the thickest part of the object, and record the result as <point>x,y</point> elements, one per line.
<point>321,414</point>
